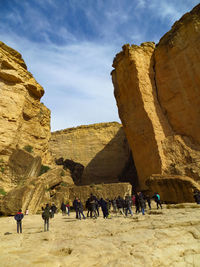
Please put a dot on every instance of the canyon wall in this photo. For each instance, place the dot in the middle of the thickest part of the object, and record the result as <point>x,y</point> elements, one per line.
<point>101,149</point>
<point>157,89</point>
<point>24,120</point>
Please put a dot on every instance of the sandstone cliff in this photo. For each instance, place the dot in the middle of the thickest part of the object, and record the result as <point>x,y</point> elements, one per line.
<point>24,120</point>
<point>157,89</point>
<point>102,150</point>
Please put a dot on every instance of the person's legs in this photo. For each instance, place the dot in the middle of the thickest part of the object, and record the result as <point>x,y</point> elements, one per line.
<point>142,211</point>
<point>20,226</point>
<point>47,224</point>
<point>130,210</point>
<point>17,227</point>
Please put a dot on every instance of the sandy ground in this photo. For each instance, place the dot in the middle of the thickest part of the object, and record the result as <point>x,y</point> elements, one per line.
<point>168,237</point>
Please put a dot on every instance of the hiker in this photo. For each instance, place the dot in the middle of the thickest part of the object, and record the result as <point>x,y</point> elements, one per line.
<point>92,205</point>
<point>148,199</point>
<point>137,203</point>
<point>197,196</point>
<point>156,197</point>
<point>97,207</point>
<point>18,217</point>
<point>128,204</point>
<point>75,206</point>
<point>63,208</point>
<point>104,207</point>
<point>114,204</point>
<point>87,205</point>
<point>45,216</point>
<point>80,209</point>
<point>53,210</point>
<point>68,209</point>
<point>120,204</point>
<point>141,202</point>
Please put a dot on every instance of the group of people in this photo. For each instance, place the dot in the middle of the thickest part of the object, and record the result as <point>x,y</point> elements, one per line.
<point>118,205</point>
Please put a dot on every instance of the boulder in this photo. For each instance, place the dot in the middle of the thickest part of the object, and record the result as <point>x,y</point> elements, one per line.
<point>174,188</point>
<point>34,192</point>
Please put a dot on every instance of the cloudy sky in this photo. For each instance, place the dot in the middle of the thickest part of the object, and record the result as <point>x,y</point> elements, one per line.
<point>69,46</point>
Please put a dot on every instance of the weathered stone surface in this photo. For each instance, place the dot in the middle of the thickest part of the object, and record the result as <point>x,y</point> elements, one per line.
<point>174,188</point>
<point>101,148</point>
<point>158,101</point>
<point>34,192</point>
<point>24,121</point>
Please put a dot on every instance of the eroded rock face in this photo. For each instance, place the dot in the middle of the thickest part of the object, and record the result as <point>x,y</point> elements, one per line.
<point>24,120</point>
<point>157,89</point>
<point>102,150</point>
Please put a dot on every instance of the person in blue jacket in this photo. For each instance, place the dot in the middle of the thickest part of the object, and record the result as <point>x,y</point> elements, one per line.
<point>18,217</point>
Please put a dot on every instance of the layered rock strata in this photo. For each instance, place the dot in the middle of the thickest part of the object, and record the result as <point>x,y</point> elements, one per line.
<point>102,150</point>
<point>157,89</point>
<point>24,120</point>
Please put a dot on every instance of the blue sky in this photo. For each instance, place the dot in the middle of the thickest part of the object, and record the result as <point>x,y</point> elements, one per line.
<point>69,46</point>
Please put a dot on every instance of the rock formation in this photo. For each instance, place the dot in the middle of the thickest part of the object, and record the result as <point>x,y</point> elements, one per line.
<point>157,92</point>
<point>102,150</point>
<point>24,120</point>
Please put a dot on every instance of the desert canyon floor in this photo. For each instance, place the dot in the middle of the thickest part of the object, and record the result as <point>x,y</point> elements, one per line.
<point>167,237</point>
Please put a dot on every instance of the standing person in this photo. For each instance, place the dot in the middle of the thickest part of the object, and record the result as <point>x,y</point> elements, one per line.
<point>53,210</point>
<point>120,204</point>
<point>137,203</point>
<point>92,203</point>
<point>63,208</point>
<point>141,202</point>
<point>45,216</point>
<point>148,199</point>
<point>128,205</point>
<point>104,207</point>
<point>68,208</point>
<point>156,197</point>
<point>114,204</point>
<point>18,217</point>
<point>196,196</point>
<point>80,209</point>
<point>75,206</point>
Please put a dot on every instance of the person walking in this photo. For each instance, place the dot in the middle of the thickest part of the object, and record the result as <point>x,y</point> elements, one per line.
<point>128,205</point>
<point>104,208</point>
<point>45,216</point>
<point>18,217</point>
<point>63,208</point>
<point>80,209</point>
<point>156,197</point>
<point>75,206</point>
<point>120,204</point>
<point>141,202</point>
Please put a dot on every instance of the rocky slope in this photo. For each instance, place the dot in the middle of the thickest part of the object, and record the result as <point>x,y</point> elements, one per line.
<point>157,91</point>
<point>101,149</point>
<point>24,120</point>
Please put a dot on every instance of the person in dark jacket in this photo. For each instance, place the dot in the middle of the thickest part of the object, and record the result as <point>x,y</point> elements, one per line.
<point>128,205</point>
<point>63,208</point>
<point>18,217</point>
<point>75,206</point>
<point>141,202</point>
<point>148,199</point>
<point>92,205</point>
<point>137,203</point>
<point>53,210</point>
<point>104,206</point>
<point>45,216</point>
<point>120,204</point>
<point>197,196</point>
<point>79,207</point>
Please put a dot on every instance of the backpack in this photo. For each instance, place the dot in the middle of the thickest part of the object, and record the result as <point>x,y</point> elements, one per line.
<point>45,214</point>
<point>158,197</point>
<point>18,217</point>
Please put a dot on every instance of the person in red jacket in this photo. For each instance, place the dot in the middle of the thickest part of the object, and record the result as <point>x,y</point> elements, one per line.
<point>18,217</point>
